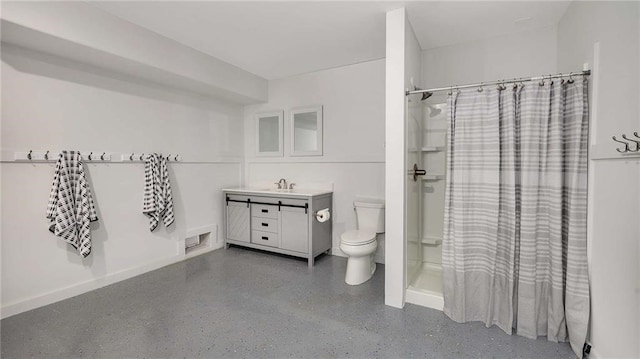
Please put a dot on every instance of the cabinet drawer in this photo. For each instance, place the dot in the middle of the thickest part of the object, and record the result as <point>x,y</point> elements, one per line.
<point>264,238</point>
<point>265,211</point>
<point>264,224</point>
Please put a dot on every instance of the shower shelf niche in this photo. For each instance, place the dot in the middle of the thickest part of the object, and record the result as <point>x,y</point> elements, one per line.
<point>432,149</point>
<point>431,240</point>
<point>427,149</point>
<point>432,177</point>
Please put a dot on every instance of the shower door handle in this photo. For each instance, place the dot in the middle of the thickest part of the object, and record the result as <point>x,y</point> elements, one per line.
<point>417,172</point>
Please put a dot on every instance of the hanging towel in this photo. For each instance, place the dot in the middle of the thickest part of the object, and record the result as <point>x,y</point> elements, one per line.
<point>158,199</point>
<point>70,208</point>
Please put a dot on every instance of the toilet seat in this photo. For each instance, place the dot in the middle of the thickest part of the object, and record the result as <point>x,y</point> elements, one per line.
<point>358,237</point>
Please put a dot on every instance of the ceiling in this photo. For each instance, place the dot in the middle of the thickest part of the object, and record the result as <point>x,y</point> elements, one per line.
<point>281,39</point>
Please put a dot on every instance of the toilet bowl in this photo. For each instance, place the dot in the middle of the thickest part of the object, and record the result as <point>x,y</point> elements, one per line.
<point>360,245</point>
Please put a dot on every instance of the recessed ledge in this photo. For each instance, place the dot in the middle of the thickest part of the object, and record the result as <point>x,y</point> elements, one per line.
<point>85,34</point>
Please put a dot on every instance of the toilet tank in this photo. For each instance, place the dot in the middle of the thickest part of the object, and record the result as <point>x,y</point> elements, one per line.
<point>370,214</point>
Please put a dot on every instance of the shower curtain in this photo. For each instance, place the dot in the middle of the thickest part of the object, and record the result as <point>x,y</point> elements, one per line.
<point>514,247</point>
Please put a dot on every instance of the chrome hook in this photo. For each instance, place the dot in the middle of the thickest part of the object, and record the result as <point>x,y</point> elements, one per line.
<point>626,145</point>
<point>168,157</point>
<point>570,80</point>
<point>90,154</point>
<point>29,154</point>
<point>142,155</point>
<point>102,156</point>
<point>46,155</point>
<point>481,88</point>
<point>175,158</point>
<point>632,140</point>
<point>131,157</point>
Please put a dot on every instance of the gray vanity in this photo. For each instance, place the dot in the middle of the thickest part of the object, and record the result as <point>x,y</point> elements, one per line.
<point>281,221</point>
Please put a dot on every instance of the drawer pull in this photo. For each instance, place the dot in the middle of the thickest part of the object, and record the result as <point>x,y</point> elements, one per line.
<point>265,238</point>
<point>265,224</point>
<point>265,211</point>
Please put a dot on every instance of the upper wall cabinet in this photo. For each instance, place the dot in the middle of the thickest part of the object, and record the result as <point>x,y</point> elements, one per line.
<point>269,134</point>
<point>306,131</point>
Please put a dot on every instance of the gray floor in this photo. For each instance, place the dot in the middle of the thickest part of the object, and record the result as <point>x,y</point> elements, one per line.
<point>243,303</point>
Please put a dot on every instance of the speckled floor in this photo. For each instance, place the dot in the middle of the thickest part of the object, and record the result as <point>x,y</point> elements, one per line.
<point>248,304</point>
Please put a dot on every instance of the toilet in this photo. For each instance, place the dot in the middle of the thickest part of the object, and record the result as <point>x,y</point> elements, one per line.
<point>360,245</point>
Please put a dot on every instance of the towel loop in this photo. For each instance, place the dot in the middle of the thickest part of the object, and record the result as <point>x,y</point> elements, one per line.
<point>102,156</point>
<point>29,154</point>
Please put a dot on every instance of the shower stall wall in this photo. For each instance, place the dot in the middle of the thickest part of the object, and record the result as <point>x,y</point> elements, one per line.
<point>427,132</point>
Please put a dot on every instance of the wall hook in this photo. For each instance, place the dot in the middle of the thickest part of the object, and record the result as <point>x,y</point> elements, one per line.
<point>168,157</point>
<point>102,156</point>
<point>176,158</point>
<point>90,154</point>
<point>570,78</point>
<point>142,155</point>
<point>29,154</point>
<point>46,155</point>
<point>131,157</point>
<point>632,140</point>
<point>626,145</point>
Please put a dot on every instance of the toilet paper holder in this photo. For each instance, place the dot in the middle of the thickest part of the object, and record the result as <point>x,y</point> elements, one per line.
<point>322,215</point>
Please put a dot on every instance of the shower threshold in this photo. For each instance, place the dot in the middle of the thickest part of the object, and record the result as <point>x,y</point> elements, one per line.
<point>426,288</point>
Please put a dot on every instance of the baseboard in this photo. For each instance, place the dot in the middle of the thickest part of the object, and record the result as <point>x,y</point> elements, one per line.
<point>89,285</point>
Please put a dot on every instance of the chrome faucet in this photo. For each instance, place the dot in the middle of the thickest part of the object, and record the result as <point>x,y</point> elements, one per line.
<point>280,184</point>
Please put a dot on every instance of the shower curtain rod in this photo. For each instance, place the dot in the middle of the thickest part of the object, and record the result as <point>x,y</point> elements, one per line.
<point>522,79</point>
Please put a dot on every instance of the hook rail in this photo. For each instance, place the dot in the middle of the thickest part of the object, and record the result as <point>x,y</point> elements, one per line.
<point>87,156</point>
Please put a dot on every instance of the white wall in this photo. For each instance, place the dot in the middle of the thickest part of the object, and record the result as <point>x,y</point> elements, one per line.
<point>524,54</point>
<point>531,53</point>
<point>614,185</point>
<point>51,103</point>
<point>402,68</point>
<point>353,119</point>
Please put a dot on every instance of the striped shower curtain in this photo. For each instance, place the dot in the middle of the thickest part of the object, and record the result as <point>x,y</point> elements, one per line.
<point>514,248</point>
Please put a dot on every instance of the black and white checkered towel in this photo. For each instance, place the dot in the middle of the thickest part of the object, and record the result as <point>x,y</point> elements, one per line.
<point>158,200</point>
<point>70,207</point>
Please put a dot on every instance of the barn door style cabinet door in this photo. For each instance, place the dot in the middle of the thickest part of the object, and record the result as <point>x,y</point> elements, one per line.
<point>278,222</point>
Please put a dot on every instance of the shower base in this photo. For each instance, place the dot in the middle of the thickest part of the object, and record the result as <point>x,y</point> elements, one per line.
<point>426,287</point>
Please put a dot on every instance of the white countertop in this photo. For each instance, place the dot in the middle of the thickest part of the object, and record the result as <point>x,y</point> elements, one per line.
<point>300,192</point>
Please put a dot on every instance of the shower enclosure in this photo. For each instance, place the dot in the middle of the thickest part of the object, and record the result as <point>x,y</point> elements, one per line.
<point>426,148</point>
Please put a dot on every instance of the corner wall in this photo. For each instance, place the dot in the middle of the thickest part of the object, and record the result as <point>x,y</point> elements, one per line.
<point>352,97</point>
<point>614,184</point>
<point>52,103</point>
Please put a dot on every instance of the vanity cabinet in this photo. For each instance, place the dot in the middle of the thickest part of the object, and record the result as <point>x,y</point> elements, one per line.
<point>278,222</point>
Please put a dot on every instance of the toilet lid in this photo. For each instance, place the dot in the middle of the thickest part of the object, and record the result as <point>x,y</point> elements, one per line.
<point>358,237</point>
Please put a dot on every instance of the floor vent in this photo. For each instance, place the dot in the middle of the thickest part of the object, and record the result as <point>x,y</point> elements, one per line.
<point>199,240</point>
